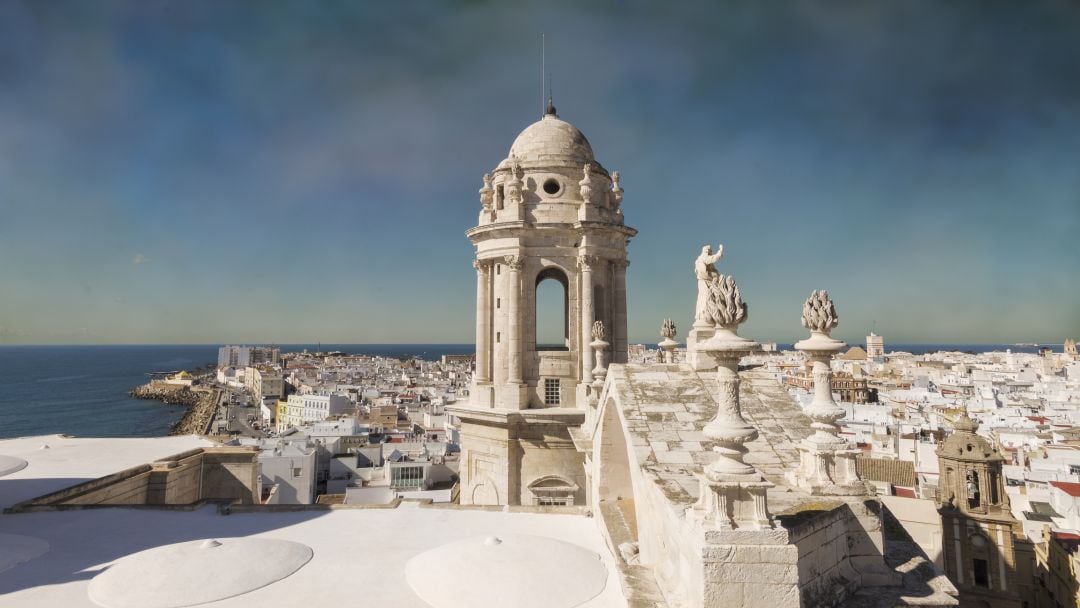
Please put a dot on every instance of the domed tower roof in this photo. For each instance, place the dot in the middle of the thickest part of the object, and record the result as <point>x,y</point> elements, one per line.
<point>964,444</point>
<point>552,140</point>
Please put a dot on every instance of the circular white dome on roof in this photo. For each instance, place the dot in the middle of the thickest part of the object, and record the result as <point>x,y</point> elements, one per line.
<point>10,464</point>
<point>196,572</point>
<point>552,139</point>
<point>17,549</point>
<point>515,570</point>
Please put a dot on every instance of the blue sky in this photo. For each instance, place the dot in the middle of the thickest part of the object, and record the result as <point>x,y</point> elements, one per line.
<point>304,171</point>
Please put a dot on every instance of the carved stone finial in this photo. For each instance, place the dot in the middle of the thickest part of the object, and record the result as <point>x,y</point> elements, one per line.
<point>487,193</point>
<point>724,306</point>
<point>667,330</point>
<point>599,347</point>
<point>513,185</point>
<point>586,184</point>
<point>668,344</point>
<point>598,330</point>
<point>819,313</point>
<point>616,190</point>
<point>826,463</point>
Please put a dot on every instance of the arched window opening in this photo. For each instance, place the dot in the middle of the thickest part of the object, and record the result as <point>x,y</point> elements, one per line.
<point>974,497</point>
<point>552,315</point>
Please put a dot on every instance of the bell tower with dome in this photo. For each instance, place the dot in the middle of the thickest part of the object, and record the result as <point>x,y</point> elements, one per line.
<point>986,553</point>
<point>549,212</point>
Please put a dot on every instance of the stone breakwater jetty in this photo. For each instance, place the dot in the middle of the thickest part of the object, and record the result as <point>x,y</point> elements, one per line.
<point>201,404</point>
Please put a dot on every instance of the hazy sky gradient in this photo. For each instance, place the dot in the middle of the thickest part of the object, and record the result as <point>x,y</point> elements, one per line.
<point>209,171</point>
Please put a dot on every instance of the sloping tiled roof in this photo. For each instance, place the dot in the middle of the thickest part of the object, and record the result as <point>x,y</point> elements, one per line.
<point>896,472</point>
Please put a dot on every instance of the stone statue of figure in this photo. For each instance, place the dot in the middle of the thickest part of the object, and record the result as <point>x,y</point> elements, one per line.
<point>705,271</point>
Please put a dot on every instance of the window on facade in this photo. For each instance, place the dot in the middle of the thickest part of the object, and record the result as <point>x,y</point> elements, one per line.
<point>982,573</point>
<point>499,196</point>
<point>498,302</point>
<point>555,501</point>
<point>994,481</point>
<point>551,391</point>
<point>297,472</point>
<point>407,477</point>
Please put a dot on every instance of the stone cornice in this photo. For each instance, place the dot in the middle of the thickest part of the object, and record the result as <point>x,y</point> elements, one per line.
<point>580,227</point>
<point>550,415</point>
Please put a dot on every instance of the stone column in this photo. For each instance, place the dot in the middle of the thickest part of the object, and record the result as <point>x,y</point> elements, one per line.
<point>483,320</point>
<point>618,322</point>
<point>513,267</point>
<point>585,263</point>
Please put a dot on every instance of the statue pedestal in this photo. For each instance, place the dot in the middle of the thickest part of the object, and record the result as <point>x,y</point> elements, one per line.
<point>698,359</point>
<point>827,468</point>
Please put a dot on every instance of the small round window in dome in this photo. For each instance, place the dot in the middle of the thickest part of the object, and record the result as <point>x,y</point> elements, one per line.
<point>551,186</point>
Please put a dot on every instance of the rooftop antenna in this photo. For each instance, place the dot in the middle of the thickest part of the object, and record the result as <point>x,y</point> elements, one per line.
<point>551,103</point>
<point>543,70</point>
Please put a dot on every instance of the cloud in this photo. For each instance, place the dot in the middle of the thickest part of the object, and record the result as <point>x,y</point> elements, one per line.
<point>138,259</point>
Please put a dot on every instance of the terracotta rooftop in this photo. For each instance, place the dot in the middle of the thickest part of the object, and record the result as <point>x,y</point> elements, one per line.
<point>1070,488</point>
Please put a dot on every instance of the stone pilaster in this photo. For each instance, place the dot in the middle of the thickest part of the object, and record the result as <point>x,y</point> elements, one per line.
<point>513,269</point>
<point>585,264</point>
<point>514,396</point>
<point>618,329</point>
<point>483,321</point>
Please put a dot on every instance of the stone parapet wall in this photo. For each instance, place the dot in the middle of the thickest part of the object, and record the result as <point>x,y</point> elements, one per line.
<point>203,474</point>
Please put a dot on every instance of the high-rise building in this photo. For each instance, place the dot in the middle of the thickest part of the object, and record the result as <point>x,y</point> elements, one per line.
<point>550,212</point>
<point>240,356</point>
<point>875,346</point>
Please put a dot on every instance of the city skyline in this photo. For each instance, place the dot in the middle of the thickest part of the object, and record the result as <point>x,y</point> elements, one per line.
<point>202,173</point>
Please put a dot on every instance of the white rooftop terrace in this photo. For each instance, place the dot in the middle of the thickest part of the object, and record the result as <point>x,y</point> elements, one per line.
<point>71,460</point>
<point>359,554</point>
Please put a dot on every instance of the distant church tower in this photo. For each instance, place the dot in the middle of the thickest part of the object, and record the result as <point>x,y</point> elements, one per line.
<point>986,554</point>
<point>550,211</point>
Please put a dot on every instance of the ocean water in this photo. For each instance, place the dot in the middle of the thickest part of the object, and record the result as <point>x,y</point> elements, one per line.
<point>82,390</point>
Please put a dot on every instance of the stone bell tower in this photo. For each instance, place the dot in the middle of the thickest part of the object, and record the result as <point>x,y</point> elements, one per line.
<point>549,211</point>
<point>986,554</point>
